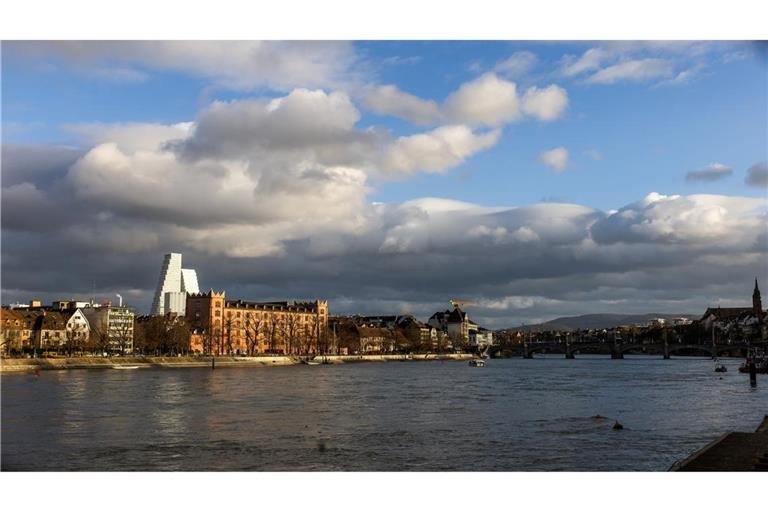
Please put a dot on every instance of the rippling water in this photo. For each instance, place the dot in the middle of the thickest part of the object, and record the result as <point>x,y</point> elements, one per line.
<point>513,415</point>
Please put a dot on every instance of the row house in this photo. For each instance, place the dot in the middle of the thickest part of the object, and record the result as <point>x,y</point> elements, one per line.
<point>415,331</point>
<point>42,329</point>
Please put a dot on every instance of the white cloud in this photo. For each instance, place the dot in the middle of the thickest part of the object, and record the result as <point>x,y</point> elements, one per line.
<point>713,220</point>
<point>712,172</point>
<point>388,99</point>
<point>516,65</point>
<point>487,100</point>
<point>556,158</point>
<point>633,70</point>
<point>244,65</point>
<point>436,151</point>
<point>130,136</point>
<point>590,60</point>
<point>545,104</point>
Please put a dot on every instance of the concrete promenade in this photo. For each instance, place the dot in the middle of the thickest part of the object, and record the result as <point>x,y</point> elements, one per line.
<point>8,365</point>
<point>733,451</point>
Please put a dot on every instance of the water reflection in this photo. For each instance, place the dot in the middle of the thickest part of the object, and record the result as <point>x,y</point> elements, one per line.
<point>512,415</point>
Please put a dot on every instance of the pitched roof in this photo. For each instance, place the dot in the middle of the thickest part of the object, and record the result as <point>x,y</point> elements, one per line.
<point>51,320</point>
<point>726,313</point>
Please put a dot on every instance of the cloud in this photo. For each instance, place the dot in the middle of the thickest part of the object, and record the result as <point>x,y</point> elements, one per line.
<point>436,151</point>
<point>594,154</point>
<point>487,100</point>
<point>38,164</point>
<point>661,63</point>
<point>556,158</point>
<point>241,65</point>
<point>668,253</point>
<point>389,100</point>
<point>757,175</point>
<point>713,172</point>
<point>714,221</point>
<point>589,61</point>
<point>516,65</point>
<point>634,70</point>
<point>545,104</point>
<point>130,136</point>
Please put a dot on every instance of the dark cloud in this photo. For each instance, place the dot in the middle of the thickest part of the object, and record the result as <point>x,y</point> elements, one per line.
<point>713,172</point>
<point>757,175</point>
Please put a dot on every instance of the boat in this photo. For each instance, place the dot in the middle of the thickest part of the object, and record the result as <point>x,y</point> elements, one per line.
<point>123,367</point>
<point>760,360</point>
<point>314,363</point>
<point>479,363</point>
<point>720,368</point>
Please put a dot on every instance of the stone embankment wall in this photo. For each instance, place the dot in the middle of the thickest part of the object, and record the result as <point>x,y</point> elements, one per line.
<point>95,363</point>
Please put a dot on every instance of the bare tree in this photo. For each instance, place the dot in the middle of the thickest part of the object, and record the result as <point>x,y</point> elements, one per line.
<point>99,338</point>
<point>253,325</point>
<point>123,331</point>
<point>292,331</point>
<point>227,334</point>
<point>74,339</point>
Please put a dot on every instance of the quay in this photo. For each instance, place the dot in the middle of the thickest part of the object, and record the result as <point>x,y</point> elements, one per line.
<point>733,451</point>
<point>8,365</point>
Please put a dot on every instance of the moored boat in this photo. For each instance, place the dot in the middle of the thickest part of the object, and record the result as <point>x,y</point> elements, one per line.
<point>757,357</point>
<point>479,363</point>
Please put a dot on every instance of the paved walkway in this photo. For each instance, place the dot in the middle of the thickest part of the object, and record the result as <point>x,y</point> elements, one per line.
<point>734,451</point>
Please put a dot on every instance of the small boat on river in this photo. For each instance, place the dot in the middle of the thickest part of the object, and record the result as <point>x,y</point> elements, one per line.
<point>123,367</point>
<point>479,363</point>
<point>757,357</point>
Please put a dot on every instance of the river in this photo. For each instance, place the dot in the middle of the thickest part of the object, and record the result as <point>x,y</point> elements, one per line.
<point>512,415</point>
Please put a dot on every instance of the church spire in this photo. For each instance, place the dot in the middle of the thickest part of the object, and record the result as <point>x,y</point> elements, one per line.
<point>757,304</point>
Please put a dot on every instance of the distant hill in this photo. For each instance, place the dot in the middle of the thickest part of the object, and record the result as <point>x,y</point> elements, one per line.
<point>598,321</point>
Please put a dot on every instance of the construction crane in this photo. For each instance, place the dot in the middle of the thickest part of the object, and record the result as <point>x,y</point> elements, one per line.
<point>458,303</point>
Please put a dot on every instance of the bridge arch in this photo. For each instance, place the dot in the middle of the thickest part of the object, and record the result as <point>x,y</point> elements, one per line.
<point>674,349</point>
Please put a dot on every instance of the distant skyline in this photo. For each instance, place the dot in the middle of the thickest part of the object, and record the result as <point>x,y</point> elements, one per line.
<point>542,179</point>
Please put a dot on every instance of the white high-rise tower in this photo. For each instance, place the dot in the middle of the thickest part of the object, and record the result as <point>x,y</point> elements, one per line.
<point>172,288</point>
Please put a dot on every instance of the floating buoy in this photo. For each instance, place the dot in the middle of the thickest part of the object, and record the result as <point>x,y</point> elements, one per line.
<point>617,425</point>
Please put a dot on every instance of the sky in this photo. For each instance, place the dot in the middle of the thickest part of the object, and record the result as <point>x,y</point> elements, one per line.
<point>539,179</point>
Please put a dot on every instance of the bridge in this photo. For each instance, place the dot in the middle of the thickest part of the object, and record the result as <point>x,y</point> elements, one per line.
<point>618,349</point>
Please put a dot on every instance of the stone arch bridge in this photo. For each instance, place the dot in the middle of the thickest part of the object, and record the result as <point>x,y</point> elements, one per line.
<point>617,350</point>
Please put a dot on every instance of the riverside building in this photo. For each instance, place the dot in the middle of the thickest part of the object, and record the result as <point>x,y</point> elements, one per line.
<point>222,326</point>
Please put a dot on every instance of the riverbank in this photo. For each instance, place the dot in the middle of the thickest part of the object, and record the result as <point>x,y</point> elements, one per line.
<point>8,365</point>
<point>733,451</point>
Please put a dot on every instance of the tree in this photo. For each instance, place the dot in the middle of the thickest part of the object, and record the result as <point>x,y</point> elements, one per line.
<point>296,334</point>
<point>228,324</point>
<point>74,339</point>
<point>123,332</point>
<point>253,326</point>
<point>179,336</point>
<point>99,337</point>
<point>271,329</point>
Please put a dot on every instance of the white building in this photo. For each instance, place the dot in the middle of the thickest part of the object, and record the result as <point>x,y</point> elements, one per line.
<point>78,328</point>
<point>111,326</point>
<point>173,286</point>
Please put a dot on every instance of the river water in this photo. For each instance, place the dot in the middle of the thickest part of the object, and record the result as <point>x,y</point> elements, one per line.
<point>513,415</point>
